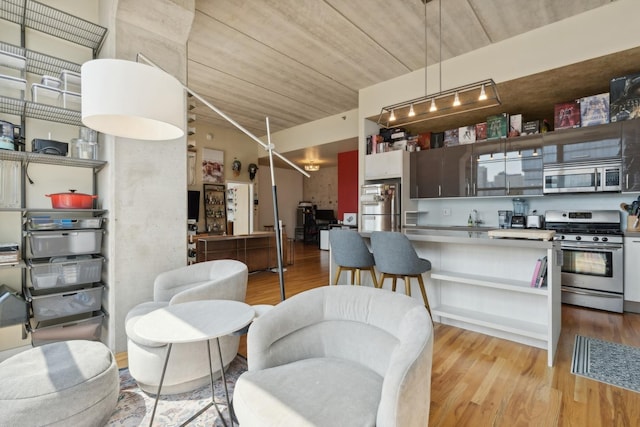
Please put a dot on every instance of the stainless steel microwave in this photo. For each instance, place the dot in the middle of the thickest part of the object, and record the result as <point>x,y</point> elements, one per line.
<point>582,178</point>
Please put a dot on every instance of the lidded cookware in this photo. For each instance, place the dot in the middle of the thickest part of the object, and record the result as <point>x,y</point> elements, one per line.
<point>72,200</point>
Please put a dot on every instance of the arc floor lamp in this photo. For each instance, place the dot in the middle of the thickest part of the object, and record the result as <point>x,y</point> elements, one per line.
<point>138,100</point>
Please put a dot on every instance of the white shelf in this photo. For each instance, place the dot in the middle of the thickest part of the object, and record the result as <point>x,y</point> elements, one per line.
<point>500,323</point>
<point>490,282</point>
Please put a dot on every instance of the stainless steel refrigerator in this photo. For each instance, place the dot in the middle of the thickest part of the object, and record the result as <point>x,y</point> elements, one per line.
<point>380,206</point>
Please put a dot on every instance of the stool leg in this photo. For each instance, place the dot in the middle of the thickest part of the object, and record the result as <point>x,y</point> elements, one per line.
<point>424,293</point>
<point>373,277</point>
<point>358,276</point>
<point>393,283</point>
<point>381,281</point>
<point>407,285</point>
<point>335,282</point>
<point>353,275</point>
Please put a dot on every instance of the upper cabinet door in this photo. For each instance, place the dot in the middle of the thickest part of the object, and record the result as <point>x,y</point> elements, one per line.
<point>583,145</point>
<point>631,155</point>
<point>524,165</point>
<point>425,172</point>
<point>384,165</point>
<point>457,171</point>
<point>490,176</point>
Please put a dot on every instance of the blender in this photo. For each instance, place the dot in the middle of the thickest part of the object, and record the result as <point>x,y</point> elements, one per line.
<point>519,217</point>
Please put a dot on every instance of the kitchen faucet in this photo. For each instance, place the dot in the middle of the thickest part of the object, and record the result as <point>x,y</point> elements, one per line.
<point>475,221</point>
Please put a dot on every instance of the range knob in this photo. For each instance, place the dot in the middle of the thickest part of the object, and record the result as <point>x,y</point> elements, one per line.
<point>595,238</point>
<point>605,239</point>
<point>578,238</point>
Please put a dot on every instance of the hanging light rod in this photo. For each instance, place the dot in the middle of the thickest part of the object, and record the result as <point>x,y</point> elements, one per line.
<point>463,99</point>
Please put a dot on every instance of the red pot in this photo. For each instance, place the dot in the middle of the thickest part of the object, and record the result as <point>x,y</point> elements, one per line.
<point>71,200</point>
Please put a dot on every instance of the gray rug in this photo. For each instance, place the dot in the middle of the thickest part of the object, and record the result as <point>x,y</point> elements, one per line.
<point>608,362</point>
<point>134,405</point>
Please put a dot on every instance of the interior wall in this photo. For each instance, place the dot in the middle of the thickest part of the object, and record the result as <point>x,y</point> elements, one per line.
<point>322,188</point>
<point>289,189</point>
<point>347,183</point>
<point>145,180</point>
<point>235,145</point>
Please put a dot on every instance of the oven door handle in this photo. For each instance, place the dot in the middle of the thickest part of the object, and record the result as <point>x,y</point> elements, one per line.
<point>592,248</point>
<point>602,295</point>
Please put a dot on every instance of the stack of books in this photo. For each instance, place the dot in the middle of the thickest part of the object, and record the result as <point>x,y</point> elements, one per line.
<point>539,278</point>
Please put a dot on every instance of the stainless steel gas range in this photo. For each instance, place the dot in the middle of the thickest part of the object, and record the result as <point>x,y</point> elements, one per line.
<point>592,247</point>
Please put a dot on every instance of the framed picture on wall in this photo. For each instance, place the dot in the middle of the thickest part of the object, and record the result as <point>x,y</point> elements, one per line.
<point>212,166</point>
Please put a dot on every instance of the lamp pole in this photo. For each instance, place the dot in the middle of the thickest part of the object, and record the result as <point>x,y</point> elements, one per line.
<point>269,147</point>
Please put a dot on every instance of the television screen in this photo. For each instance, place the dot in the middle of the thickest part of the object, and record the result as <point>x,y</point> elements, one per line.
<point>193,205</point>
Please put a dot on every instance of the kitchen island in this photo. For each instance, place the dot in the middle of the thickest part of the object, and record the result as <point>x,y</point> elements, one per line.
<point>257,250</point>
<point>484,284</point>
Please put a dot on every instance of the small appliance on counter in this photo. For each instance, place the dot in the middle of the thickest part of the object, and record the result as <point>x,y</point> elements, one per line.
<point>535,221</point>
<point>519,217</point>
<point>504,219</point>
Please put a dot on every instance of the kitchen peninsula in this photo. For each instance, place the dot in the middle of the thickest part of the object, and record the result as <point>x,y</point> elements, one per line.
<point>483,284</point>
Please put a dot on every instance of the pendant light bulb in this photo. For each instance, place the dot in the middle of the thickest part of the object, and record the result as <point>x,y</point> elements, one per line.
<point>392,117</point>
<point>535,151</point>
<point>411,111</point>
<point>483,94</point>
<point>456,100</point>
<point>433,106</point>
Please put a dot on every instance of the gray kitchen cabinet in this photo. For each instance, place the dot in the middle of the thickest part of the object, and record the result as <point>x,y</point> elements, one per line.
<point>631,156</point>
<point>441,172</point>
<point>589,144</point>
<point>523,166</point>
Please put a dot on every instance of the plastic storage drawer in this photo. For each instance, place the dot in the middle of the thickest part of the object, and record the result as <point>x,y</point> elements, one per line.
<point>82,329</point>
<point>46,222</point>
<point>66,271</point>
<point>63,304</point>
<point>47,244</point>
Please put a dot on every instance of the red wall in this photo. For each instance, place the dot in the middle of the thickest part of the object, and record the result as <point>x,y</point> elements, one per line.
<point>347,183</point>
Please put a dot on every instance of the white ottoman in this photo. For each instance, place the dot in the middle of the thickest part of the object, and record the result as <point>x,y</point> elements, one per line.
<point>67,383</point>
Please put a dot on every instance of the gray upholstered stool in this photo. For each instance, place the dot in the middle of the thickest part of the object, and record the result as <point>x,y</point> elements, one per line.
<point>67,383</point>
<point>396,258</point>
<point>350,253</point>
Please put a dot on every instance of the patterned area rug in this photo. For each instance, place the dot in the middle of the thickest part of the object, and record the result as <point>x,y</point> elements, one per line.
<point>608,362</point>
<point>135,406</point>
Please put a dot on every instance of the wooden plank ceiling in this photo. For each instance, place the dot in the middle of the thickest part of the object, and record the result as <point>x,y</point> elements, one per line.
<point>296,61</point>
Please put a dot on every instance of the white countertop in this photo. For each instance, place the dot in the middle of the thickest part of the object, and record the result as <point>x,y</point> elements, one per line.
<point>470,236</point>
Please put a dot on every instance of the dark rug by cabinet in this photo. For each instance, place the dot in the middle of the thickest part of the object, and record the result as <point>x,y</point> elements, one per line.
<point>134,405</point>
<point>608,362</point>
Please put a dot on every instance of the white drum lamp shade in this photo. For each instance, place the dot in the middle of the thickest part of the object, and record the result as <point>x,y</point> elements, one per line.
<point>132,100</point>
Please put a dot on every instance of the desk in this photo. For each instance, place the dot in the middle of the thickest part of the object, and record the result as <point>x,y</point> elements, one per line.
<point>257,250</point>
<point>192,322</point>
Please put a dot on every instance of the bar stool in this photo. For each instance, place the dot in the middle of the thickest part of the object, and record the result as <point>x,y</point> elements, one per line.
<point>396,258</point>
<point>350,253</point>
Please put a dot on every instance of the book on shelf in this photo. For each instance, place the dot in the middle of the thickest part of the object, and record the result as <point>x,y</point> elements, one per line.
<point>451,137</point>
<point>594,110</point>
<point>566,115</point>
<point>515,125</point>
<point>539,273</point>
<point>497,126</point>
<point>467,134</point>
<point>625,98</point>
<point>531,127</point>
<point>481,131</point>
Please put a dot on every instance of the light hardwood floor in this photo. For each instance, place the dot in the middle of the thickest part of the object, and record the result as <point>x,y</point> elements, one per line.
<point>479,380</point>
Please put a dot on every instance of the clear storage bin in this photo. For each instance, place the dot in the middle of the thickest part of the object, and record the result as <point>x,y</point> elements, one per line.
<point>71,100</point>
<point>71,81</point>
<point>10,179</point>
<point>46,222</point>
<point>66,271</point>
<point>42,94</point>
<point>47,306</point>
<point>12,87</point>
<point>46,244</point>
<point>89,328</point>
